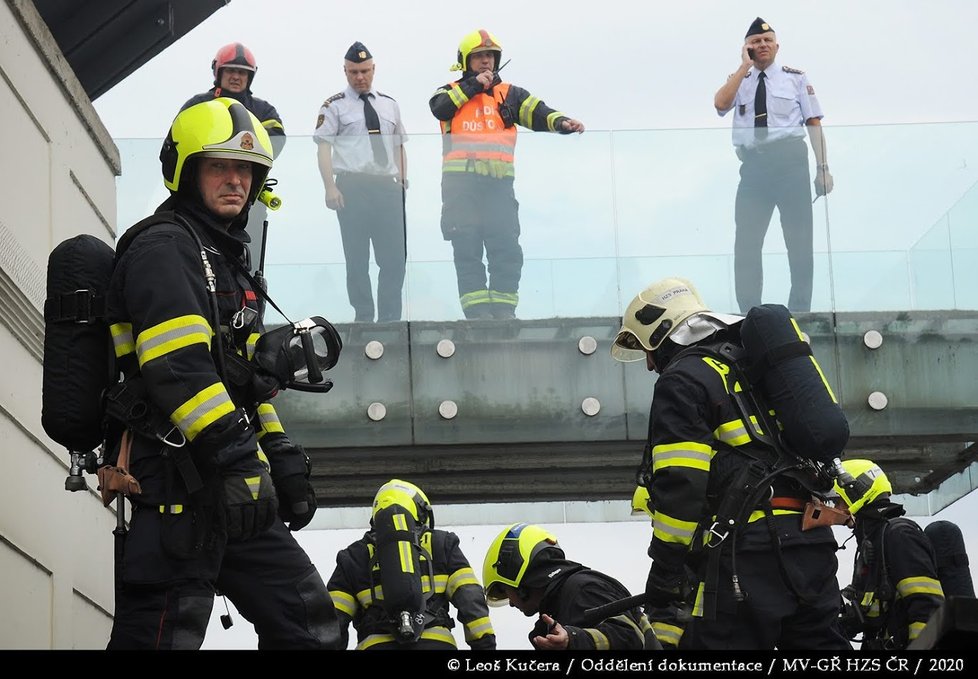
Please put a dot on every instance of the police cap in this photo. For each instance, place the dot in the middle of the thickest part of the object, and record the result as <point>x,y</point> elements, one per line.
<point>759,26</point>
<point>358,52</point>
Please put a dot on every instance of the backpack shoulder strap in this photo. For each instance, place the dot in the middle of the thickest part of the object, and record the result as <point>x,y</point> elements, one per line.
<point>141,226</point>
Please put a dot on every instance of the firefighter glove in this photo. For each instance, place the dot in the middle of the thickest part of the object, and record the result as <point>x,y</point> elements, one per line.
<point>291,468</point>
<point>297,500</point>
<point>664,588</point>
<point>250,503</point>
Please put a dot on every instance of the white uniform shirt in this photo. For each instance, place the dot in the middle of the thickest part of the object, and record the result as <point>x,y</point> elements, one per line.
<point>341,124</point>
<point>790,102</point>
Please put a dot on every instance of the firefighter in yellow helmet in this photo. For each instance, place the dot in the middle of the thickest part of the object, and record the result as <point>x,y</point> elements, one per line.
<point>785,593</point>
<point>479,113</point>
<point>526,568</point>
<point>219,477</point>
<point>895,587</point>
<point>395,583</point>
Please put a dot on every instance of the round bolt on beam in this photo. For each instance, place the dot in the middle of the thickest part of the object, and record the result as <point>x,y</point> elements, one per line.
<point>376,411</point>
<point>873,339</point>
<point>448,409</point>
<point>587,345</point>
<point>445,348</point>
<point>374,350</point>
<point>877,400</point>
<point>591,406</point>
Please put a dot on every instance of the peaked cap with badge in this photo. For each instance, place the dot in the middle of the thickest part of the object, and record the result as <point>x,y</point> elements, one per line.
<point>759,26</point>
<point>358,53</point>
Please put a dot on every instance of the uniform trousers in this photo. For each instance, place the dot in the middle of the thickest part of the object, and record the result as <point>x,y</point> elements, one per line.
<point>373,212</point>
<point>774,175</point>
<point>174,561</point>
<point>481,215</point>
<point>772,615</point>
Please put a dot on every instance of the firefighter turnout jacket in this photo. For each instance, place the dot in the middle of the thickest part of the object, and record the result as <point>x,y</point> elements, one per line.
<point>478,127</point>
<point>163,331</point>
<point>895,583</point>
<point>577,589</point>
<point>357,597</point>
<point>698,443</point>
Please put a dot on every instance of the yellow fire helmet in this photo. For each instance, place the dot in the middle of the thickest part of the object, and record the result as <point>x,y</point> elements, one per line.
<point>509,556</point>
<point>670,307</point>
<point>217,128</point>
<point>868,483</point>
<point>407,495</point>
<point>640,501</point>
<point>473,43</point>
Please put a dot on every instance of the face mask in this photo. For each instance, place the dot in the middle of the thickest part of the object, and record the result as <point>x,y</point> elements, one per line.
<point>297,355</point>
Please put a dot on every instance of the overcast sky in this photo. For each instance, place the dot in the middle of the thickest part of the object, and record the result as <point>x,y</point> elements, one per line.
<point>620,66</point>
<point>632,65</point>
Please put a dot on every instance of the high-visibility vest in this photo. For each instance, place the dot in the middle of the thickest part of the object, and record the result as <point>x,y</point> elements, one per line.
<point>477,133</point>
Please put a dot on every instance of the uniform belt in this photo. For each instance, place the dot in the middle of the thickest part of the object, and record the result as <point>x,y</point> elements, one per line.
<point>779,146</point>
<point>366,176</point>
<point>795,503</point>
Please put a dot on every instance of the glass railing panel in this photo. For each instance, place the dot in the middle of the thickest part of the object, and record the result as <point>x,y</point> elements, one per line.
<point>871,281</point>
<point>892,183</point>
<point>931,269</point>
<point>303,290</point>
<point>963,235</point>
<point>633,206</point>
<point>602,216</point>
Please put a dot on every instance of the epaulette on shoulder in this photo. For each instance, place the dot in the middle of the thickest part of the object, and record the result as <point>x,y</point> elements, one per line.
<point>386,95</point>
<point>788,69</point>
<point>336,96</point>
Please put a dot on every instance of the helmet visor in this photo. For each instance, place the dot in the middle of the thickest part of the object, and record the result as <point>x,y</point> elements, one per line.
<point>627,348</point>
<point>496,595</point>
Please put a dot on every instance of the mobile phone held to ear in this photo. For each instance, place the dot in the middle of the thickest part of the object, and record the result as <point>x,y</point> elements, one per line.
<point>751,53</point>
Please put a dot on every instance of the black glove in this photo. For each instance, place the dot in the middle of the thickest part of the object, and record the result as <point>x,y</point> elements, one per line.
<point>290,473</point>
<point>298,501</point>
<point>250,503</point>
<point>664,588</point>
<point>540,629</point>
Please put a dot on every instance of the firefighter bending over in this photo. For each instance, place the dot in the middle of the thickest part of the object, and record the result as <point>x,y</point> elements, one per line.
<point>895,587</point>
<point>396,582</point>
<point>526,568</point>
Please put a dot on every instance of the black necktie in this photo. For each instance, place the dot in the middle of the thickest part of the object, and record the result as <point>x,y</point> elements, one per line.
<point>373,129</point>
<point>760,107</point>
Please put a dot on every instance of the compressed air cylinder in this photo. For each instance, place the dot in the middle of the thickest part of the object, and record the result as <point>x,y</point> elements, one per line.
<point>398,555</point>
<point>952,558</point>
<point>793,384</point>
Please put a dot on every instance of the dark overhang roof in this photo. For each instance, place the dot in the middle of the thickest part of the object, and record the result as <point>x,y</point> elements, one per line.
<point>106,40</point>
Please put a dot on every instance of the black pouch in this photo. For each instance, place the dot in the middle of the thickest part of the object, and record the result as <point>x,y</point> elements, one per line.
<point>187,520</point>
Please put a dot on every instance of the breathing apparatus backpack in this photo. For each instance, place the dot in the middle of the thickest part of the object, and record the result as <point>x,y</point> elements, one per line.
<point>951,556</point>
<point>79,362</point>
<point>80,377</point>
<point>398,562</point>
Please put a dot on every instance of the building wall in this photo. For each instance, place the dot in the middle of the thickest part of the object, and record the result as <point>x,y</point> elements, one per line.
<point>57,172</point>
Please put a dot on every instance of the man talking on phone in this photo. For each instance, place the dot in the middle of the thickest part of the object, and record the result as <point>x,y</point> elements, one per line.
<point>773,107</point>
